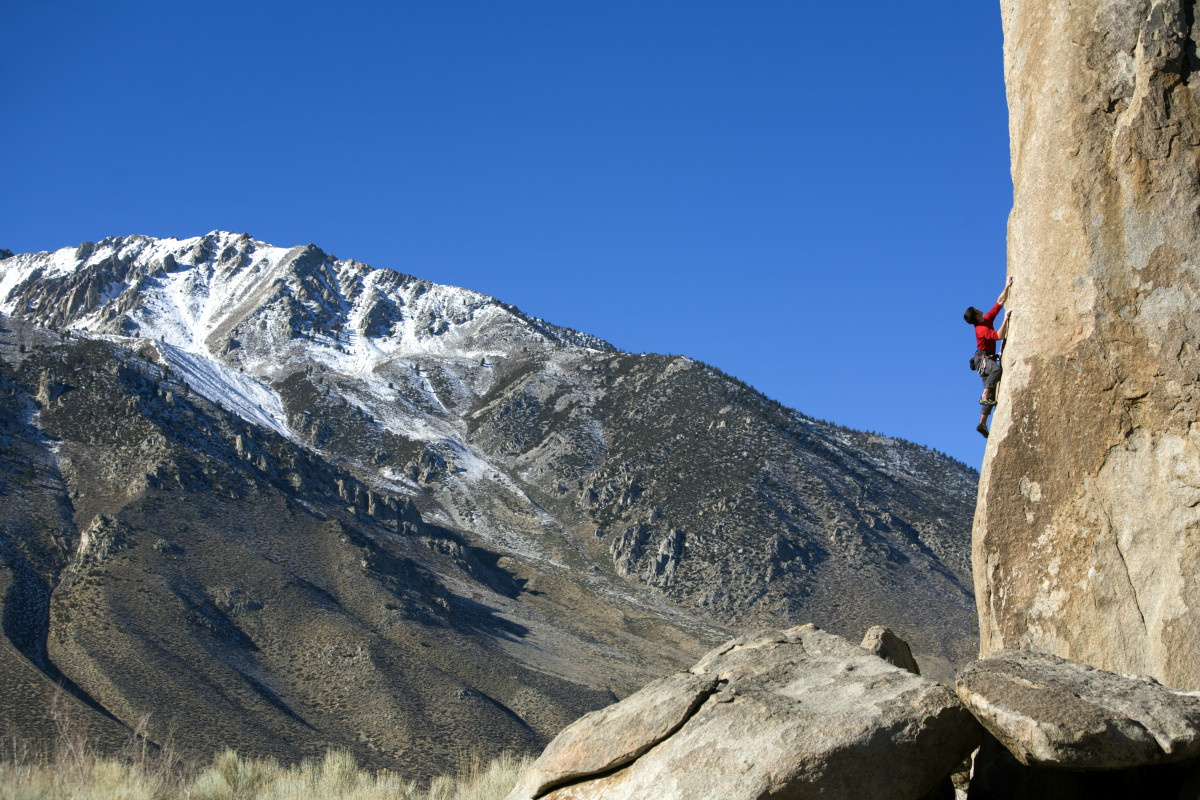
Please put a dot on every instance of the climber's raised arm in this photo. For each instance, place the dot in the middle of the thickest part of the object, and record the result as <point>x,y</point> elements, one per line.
<point>1004,294</point>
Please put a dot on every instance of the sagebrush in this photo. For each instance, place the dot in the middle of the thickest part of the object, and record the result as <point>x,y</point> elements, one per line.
<point>77,771</point>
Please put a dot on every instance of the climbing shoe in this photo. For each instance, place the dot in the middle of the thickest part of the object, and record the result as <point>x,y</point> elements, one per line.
<point>987,401</point>
<point>982,429</point>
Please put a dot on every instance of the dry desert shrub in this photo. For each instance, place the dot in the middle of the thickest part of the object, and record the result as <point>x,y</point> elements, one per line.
<point>76,771</point>
<point>492,780</point>
<point>147,772</point>
<point>99,779</point>
<point>338,777</point>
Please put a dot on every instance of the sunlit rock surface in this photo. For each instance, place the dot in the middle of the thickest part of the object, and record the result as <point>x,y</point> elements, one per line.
<point>1086,530</point>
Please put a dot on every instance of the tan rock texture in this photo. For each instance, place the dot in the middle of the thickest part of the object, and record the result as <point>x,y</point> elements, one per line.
<point>1050,712</point>
<point>616,735</point>
<point>785,714</point>
<point>1086,542</point>
<point>891,648</point>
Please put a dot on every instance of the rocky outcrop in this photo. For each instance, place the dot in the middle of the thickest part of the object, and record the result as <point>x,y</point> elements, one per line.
<point>627,548</point>
<point>1089,499</point>
<point>662,569</point>
<point>891,648</point>
<point>1050,712</point>
<point>796,713</point>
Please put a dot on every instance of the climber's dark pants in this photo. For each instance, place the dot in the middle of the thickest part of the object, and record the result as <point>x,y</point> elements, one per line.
<point>989,370</point>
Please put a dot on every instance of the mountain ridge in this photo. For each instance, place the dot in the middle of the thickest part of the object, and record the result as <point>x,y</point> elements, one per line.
<point>531,495</point>
<point>207,242</point>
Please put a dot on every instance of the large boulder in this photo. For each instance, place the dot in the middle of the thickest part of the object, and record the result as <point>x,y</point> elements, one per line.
<point>1089,499</point>
<point>616,735</point>
<point>781,714</point>
<point>1050,712</point>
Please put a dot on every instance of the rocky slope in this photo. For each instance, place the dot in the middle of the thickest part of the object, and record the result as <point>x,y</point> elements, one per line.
<point>1084,539</point>
<point>296,499</point>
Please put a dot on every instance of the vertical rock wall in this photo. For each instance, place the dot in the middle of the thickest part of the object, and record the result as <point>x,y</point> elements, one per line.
<point>1087,532</point>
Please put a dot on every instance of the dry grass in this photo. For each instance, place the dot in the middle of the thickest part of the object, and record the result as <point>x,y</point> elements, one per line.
<point>337,776</point>
<point>144,772</point>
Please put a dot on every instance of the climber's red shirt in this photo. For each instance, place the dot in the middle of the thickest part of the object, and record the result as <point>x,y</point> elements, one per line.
<point>985,335</point>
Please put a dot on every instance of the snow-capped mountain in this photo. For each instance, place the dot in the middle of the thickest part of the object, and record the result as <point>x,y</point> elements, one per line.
<point>621,511</point>
<point>225,298</point>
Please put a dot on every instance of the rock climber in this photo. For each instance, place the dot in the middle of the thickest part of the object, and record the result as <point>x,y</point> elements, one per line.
<point>986,361</point>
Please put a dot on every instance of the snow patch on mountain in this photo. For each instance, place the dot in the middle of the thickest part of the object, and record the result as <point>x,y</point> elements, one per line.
<point>540,441</point>
<point>228,388</point>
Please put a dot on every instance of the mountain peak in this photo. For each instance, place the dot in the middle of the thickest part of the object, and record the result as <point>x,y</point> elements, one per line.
<point>260,442</point>
<point>184,291</point>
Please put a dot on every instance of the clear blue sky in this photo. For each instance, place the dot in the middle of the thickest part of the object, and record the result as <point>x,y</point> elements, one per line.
<point>806,195</point>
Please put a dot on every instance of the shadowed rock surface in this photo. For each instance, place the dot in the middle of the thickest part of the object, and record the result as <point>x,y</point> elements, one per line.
<point>794,713</point>
<point>998,775</point>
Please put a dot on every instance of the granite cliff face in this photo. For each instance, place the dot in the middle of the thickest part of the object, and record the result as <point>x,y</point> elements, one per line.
<point>1085,538</point>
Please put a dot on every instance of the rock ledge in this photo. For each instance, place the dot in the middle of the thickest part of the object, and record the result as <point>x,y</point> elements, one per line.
<point>1055,713</point>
